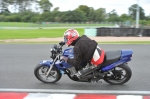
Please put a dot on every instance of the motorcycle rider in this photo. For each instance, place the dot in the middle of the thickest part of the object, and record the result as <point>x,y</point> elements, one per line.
<point>85,50</point>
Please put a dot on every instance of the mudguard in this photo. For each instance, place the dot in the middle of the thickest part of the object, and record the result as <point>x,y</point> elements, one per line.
<point>46,62</point>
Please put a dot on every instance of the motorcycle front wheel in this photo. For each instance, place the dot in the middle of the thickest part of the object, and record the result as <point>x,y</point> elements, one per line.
<point>40,72</point>
<point>119,75</point>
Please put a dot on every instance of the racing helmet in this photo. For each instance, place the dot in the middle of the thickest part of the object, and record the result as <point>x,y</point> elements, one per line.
<point>70,35</point>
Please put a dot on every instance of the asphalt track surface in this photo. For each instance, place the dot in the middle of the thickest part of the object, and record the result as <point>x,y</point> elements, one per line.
<point>17,63</point>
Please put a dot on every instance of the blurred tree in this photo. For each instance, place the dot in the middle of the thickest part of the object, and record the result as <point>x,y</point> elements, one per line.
<point>45,17</point>
<point>133,9</point>
<point>125,17</point>
<point>26,4</point>
<point>83,13</point>
<point>22,5</point>
<point>28,16</point>
<point>73,16</point>
<point>54,16</point>
<point>10,18</point>
<point>57,19</point>
<point>91,15</point>
<point>113,16</point>
<point>100,15</point>
<point>56,9</point>
<point>45,5</point>
<point>84,8</point>
<point>4,4</point>
<point>2,18</point>
<point>148,17</point>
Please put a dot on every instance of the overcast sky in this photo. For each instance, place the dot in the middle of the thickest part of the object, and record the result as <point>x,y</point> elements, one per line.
<point>121,6</point>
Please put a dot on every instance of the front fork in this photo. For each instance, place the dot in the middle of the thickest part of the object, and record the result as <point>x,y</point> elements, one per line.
<point>49,70</point>
<point>51,66</point>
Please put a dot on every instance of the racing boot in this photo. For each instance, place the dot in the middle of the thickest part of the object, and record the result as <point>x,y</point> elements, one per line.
<point>88,69</point>
<point>73,71</point>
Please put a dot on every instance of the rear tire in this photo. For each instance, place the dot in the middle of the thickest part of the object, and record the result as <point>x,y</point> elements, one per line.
<point>117,77</point>
<point>40,73</point>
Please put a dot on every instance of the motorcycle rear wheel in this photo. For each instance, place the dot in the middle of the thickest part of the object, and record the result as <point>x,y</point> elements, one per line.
<point>119,75</point>
<point>40,73</point>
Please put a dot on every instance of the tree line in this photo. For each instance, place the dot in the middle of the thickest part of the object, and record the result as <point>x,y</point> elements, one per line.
<point>23,11</point>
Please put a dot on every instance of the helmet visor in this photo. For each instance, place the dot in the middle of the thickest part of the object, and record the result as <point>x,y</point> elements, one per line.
<point>65,39</point>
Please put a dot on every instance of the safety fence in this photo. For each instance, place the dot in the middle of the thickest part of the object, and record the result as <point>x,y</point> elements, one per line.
<point>117,32</point>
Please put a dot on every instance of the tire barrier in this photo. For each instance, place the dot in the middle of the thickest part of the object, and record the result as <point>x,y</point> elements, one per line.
<point>122,32</point>
<point>118,32</point>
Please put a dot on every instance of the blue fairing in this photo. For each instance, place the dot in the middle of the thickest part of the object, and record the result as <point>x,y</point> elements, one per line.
<point>68,53</point>
<point>58,64</point>
<point>62,65</point>
<point>125,57</point>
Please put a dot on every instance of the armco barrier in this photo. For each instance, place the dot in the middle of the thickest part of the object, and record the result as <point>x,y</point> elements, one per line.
<point>90,31</point>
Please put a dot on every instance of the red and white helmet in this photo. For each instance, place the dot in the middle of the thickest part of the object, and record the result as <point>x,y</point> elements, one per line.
<point>70,35</point>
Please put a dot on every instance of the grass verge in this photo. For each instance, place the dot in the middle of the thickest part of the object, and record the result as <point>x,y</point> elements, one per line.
<point>36,33</point>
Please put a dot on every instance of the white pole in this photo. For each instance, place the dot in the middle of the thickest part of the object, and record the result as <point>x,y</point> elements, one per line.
<point>137,15</point>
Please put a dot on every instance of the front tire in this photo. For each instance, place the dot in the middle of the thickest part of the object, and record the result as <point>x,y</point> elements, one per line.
<point>40,73</point>
<point>119,75</point>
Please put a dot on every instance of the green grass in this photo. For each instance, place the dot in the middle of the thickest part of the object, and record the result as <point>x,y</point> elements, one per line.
<point>35,33</point>
<point>48,24</point>
<point>56,42</point>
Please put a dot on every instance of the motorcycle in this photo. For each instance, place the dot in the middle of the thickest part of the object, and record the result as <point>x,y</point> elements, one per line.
<point>114,70</point>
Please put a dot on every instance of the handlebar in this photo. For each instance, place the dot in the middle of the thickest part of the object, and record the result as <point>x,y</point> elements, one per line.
<point>56,49</point>
<point>60,47</point>
<point>61,43</point>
